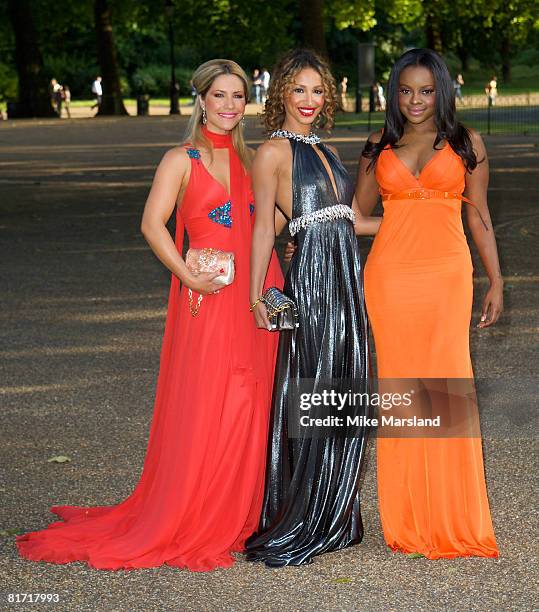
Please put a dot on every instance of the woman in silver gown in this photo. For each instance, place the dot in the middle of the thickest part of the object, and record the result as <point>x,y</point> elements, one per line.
<point>311,503</point>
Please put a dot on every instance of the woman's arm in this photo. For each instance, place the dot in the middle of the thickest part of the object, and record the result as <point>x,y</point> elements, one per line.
<point>170,176</point>
<point>364,224</point>
<point>483,237</point>
<point>265,182</point>
<point>367,190</point>
<point>280,219</point>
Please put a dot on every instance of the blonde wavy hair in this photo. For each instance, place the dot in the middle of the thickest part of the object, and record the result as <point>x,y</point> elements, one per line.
<point>202,80</point>
<point>282,82</point>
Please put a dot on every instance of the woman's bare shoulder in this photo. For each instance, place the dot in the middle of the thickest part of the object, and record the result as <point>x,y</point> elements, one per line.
<point>175,165</point>
<point>176,156</point>
<point>375,137</point>
<point>476,139</point>
<point>273,152</point>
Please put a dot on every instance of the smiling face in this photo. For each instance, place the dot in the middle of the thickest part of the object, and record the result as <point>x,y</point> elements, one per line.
<point>417,94</point>
<point>224,103</point>
<point>304,100</point>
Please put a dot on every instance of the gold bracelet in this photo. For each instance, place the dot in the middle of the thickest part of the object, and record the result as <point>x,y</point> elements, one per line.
<point>255,303</point>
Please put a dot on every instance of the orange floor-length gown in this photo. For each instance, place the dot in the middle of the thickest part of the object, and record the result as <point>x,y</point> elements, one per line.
<point>418,290</point>
<point>201,490</point>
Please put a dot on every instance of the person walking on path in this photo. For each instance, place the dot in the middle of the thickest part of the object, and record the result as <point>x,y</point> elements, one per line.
<point>343,92</point>
<point>97,90</point>
<point>491,90</point>
<point>66,95</point>
<point>56,96</point>
<point>266,78</point>
<point>257,85</point>
<point>380,98</point>
<point>457,85</point>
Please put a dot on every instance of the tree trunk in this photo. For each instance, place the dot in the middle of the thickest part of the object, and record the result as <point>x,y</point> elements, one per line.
<point>112,103</point>
<point>433,32</point>
<point>312,21</point>
<point>505,52</point>
<point>462,53</point>
<point>34,99</point>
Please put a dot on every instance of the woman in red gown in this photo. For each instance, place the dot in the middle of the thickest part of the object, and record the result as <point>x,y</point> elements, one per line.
<point>200,493</point>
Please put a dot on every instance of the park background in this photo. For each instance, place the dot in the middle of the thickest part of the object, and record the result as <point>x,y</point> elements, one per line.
<point>128,42</point>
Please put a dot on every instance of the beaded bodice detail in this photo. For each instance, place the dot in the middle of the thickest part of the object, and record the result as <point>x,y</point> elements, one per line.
<point>221,214</point>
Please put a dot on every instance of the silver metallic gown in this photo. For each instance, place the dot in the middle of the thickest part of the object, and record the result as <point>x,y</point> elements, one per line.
<point>311,502</point>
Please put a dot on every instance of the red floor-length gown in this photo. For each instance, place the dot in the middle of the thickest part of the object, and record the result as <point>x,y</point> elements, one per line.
<point>201,489</point>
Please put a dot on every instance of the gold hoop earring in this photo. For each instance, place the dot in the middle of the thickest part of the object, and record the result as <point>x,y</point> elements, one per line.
<point>204,116</point>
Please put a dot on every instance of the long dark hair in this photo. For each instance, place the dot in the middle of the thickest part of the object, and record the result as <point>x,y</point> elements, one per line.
<point>445,117</point>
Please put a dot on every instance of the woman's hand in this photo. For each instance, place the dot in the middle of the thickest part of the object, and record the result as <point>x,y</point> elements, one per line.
<point>204,282</point>
<point>261,316</point>
<point>289,252</point>
<point>492,305</point>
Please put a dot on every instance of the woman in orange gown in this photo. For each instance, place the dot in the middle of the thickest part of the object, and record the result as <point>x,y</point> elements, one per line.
<point>418,290</point>
<point>201,489</point>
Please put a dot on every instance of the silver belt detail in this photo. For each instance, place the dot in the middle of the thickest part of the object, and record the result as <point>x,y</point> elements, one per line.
<point>340,211</point>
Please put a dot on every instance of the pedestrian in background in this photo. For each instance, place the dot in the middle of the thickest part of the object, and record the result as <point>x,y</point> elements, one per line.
<point>56,96</point>
<point>97,90</point>
<point>457,84</point>
<point>257,85</point>
<point>492,90</point>
<point>66,97</point>
<point>381,99</point>
<point>343,90</point>
<point>266,78</point>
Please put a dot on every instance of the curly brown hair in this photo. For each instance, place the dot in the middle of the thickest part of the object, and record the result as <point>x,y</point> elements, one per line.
<point>281,82</point>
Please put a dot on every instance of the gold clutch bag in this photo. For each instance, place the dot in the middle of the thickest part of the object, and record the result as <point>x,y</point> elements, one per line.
<point>209,260</point>
<point>282,310</point>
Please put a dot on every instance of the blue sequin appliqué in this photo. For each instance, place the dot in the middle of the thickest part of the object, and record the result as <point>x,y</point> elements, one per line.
<point>221,214</point>
<point>193,153</point>
<point>251,208</point>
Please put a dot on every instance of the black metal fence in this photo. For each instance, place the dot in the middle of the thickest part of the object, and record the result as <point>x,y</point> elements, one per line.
<point>518,114</point>
<point>502,119</point>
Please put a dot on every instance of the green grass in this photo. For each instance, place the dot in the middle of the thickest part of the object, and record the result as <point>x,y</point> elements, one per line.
<point>153,101</point>
<point>524,79</point>
<point>353,120</point>
<point>503,90</point>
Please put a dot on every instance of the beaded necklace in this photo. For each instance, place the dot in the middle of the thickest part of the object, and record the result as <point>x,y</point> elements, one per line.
<point>310,139</point>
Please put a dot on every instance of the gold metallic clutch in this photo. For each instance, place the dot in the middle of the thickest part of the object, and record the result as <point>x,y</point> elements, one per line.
<point>282,311</point>
<point>209,260</point>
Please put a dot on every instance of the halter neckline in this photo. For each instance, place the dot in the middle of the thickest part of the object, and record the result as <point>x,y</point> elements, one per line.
<point>311,138</point>
<point>219,141</point>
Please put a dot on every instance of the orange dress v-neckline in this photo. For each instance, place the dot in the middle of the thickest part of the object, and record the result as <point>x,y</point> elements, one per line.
<point>434,157</point>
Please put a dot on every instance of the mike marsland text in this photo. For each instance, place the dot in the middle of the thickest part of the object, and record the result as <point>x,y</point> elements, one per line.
<point>363,421</point>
